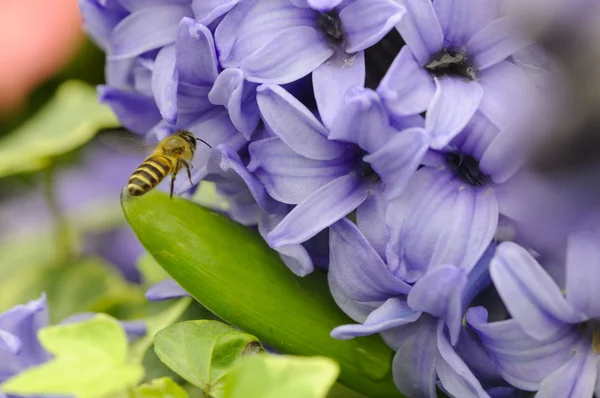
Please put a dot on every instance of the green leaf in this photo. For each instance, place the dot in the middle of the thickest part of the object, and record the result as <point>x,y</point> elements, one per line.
<point>231,271</point>
<point>151,271</point>
<point>90,361</point>
<point>202,352</point>
<point>68,121</point>
<point>156,323</point>
<point>269,376</point>
<point>159,388</point>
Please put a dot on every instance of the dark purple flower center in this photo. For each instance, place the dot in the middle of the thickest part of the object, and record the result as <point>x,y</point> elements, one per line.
<point>331,26</point>
<point>466,168</point>
<point>451,63</point>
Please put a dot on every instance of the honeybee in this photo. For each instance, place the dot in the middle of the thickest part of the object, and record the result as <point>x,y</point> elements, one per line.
<point>171,155</point>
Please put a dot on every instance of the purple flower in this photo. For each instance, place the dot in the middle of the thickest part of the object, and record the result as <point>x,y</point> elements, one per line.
<point>453,64</point>
<point>550,345</point>
<point>279,41</point>
<point>19,346</point>
<point>413,319</point>
<point>327,179</point>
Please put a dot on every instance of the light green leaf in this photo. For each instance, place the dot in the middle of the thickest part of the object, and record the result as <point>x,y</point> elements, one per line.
<point>232,272</point>
<point>159,388</point>
<point>68,121</point>
<point>202,352</point>
<point>156,323</point>
<point>269,376</point>
<point>90,361</point>
<point>151,271</point>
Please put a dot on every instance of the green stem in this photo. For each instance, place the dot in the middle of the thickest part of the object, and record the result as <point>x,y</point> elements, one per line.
<point>61,228</point>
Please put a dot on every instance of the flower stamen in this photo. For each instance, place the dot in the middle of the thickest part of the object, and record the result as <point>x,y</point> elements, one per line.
<point>466,168</point>
<point>331,25</point>
<point>452,63</point>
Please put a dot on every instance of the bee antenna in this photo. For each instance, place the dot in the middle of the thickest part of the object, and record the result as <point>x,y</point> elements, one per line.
<point>205,143</point>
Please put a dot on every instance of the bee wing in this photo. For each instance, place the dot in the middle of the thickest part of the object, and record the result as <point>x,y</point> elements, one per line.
<point>124,141</point>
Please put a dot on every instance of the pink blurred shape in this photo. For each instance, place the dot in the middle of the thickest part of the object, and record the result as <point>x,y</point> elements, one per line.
<point>37,38</point>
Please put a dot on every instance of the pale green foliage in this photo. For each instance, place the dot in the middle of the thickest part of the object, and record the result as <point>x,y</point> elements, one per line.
<point>68,121</point>
<point>269,376</point>
<point>156,323</point>
<point>159,388</point>
<point>202,352</point>
<point>90,361</point>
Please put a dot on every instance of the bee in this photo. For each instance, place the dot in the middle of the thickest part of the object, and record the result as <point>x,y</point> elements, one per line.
<point>171,155</point>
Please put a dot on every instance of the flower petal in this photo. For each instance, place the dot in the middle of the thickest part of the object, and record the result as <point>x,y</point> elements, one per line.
<point>147,29</point>
<point>253,23</point>
<point>99,19</point>
<point>196,54</point>
<point>529,293</point>
<point>363,121</point>
<point>166,290</point>
<point>9,343</point>
<point>370,219</point>
<point>455,376</point>
<point>290,55</point>
<point>583,272</point>
<point>367,21</point>
<point>576,378</point>
<point>461,19</point>
<point>239,97</point>
<point>206,11</point>
<point>291,121</point>
<point>439,293</point>
<point>320,210</point>
<point>506,88</point>
<point>453,105</point>
<point>496,42</point>
<point>164,83</point>
<point>118,72</point>
<point>522,361</point>
<point>396,162</point>
<point>226,162</point>
<point>477,136</point>
<point>289,177</point>
<point>439,220</point>
<point>420,29</point>
<point>296,257</point>
<point>356,270</point>
<point>413,366</point>
<point>323,5</point>
<point>407,88</point>
<point>332,79</point>
<point>393,313</point>
<point>136,112</point>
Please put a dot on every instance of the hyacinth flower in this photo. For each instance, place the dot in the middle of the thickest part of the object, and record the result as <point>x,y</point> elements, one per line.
<point>454,63</point>
<point>551,344</point>
<point>327,179</point>
<point>419,321</point>
<point>280,41</point>
<point>19,346</point>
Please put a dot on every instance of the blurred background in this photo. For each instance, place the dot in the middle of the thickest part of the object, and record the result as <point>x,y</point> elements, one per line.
<point>61,227</point>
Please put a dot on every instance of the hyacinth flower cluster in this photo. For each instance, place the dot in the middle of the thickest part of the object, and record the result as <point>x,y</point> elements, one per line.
<point>374,140</point>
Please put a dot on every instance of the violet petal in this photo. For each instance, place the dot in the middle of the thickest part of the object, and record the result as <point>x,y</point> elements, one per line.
<point>529,293</point>
<point>367,21</point>
<point>397,161</point>
<point>206,11</point>
<point>332,79</point>
<point>290,55</point>
<point>583,272</point>
<point>420,29</point>
<point>291,121</point>
<point>196,54</point>
<point>454,103</point>
<point>461,19</point>
<point>147,29</point>
<point>320,210</point>
<point>393,313</point>
<point>165,290</point>
<point>439,293</point>
<point>136,112</point>
<point>164,83</point>
<point>407,88</point>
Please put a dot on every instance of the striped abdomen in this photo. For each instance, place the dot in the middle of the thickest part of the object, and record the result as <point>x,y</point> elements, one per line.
<point>149,174</point>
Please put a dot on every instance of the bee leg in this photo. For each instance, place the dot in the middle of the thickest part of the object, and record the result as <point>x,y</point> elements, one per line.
<point>187,168</point>
<point>173,175</point>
